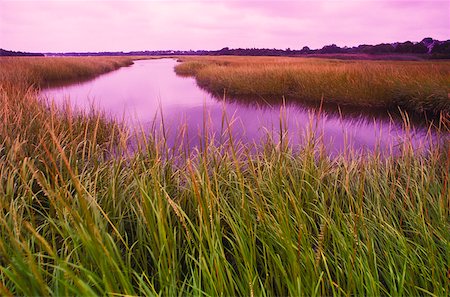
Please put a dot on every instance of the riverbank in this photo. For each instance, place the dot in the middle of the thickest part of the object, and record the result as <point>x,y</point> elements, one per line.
<point>79,215</point>
<point>412,86</point>
<point>40,72</point>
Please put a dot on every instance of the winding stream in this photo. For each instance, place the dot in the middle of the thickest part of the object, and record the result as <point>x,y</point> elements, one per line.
<point>140,92</point>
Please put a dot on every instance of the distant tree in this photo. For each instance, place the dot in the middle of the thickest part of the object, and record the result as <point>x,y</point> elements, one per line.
<point>405,47</point>
<point>441,50</point>
<point>305,50</point>
<point>331,49</point>
<point>363,48</point>
<point>411,48</point>
<point>429,43</point>
<point>382,48</point>
<point>4,53</point>
<point>427,40</point>
<point>420,48</point>
<point>224,51</point>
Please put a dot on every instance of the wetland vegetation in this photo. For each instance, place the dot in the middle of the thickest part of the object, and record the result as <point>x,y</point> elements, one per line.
<point>22,72</point>
<point>413,86</point>
<point>81,215</point>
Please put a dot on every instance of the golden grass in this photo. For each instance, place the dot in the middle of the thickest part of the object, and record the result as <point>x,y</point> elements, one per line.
<point>24,117</point>
<point>413,86</point>
<point>45,71</point>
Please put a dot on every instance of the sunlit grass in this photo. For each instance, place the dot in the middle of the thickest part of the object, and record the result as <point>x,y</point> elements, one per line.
<point>81,215</point>
<point>45,71</point>
<point>413,86</point>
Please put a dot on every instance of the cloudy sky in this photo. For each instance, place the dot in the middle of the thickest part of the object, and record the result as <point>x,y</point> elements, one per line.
<point>115,25</point>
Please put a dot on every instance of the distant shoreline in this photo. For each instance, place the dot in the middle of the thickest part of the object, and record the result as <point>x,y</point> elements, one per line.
<point>427,49</point>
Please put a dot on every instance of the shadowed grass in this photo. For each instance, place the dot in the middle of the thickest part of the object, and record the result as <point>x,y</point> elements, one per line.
<point>80,215</point>
<point>413,86</point>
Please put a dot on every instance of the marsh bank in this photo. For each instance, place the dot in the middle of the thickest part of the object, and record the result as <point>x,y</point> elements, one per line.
<point>149,91</point>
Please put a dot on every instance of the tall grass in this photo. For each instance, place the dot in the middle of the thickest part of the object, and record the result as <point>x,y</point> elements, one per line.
<point>413,86</point>
<point>45,71</point>
<point>79,215</point>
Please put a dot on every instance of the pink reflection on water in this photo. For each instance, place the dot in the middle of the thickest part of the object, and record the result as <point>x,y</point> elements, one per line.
<point>136,92</point>
<point>140,91</point>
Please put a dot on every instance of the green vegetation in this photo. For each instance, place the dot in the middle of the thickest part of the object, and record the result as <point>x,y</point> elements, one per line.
<point>81,215</point>
<point>413,86</point>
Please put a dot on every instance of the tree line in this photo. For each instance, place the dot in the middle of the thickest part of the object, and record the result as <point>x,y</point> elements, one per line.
<point>427,48</point>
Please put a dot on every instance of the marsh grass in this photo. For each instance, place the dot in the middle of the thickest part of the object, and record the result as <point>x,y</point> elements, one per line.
<point>46,71</point>
<point>222,219</point>
<point>413,86</point>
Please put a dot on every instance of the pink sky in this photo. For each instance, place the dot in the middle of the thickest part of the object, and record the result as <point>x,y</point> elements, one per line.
<point>61,26</point>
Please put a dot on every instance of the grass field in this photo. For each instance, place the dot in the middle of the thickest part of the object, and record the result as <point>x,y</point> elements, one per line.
<point>80,215</point>
<point>43,72</point>
<point>413,86</point>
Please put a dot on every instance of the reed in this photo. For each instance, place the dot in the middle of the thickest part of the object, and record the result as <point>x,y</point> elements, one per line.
<point>413,86</point>
<point>81,215</point>
<point>48,71</point>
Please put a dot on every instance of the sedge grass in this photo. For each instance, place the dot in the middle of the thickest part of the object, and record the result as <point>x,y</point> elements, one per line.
<point>48,71</point>
<point>414,86</point>
<point>81,216</point>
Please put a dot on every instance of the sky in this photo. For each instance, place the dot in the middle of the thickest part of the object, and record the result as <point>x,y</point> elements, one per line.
<point>120,25</point>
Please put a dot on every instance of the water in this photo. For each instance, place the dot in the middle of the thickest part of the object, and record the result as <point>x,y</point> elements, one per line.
<point>140,92</point>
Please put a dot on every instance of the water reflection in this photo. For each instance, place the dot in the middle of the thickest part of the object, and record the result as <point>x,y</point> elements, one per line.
<point>138,93</point>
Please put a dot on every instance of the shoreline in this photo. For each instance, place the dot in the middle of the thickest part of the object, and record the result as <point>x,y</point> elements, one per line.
<point>304,80</point>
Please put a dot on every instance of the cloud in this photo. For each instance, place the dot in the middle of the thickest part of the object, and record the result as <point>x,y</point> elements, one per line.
<point>138,25</point>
